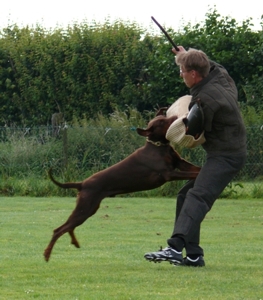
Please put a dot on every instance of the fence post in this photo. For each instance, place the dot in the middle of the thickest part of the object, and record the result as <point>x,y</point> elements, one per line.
<point>65,146</point>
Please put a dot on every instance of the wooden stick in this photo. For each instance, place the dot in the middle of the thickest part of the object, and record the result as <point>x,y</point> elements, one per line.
<point>166,34</point>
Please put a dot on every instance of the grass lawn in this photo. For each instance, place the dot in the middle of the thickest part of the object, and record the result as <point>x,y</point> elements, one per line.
<point>110,262</point>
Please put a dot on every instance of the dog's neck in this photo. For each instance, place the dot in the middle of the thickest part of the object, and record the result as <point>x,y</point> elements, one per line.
<point>158,144</point>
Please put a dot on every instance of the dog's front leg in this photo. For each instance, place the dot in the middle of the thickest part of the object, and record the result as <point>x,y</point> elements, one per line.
<point>180,175</point>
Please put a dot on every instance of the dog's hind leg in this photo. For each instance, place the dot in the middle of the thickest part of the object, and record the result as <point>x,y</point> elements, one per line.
<point>74,241</point>
<point>57,233</point>
<point>79,215</point>
<point>69,227</point>
<point>80,218</point>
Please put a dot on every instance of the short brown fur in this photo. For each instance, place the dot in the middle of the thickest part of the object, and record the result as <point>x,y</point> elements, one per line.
<point>147,168</point>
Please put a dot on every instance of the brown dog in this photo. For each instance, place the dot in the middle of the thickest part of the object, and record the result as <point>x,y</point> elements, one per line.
<point>147,168</point>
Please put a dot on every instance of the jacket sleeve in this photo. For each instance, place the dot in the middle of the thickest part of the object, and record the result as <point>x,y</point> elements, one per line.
<point>208,118</point>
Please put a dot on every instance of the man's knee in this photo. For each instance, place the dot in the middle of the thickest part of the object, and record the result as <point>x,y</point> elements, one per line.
<point>190,217</point>
<point>182,195</point>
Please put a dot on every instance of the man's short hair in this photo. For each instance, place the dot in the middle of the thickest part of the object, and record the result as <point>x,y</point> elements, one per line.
<point>195,60</point>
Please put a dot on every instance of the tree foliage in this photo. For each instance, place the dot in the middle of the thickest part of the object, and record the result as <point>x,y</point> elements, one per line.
<point>88,69</point>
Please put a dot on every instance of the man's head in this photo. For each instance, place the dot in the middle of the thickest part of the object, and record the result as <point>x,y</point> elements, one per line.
<point>194,66</point>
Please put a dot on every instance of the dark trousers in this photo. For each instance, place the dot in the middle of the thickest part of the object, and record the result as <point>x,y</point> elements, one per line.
<point>197,197</point>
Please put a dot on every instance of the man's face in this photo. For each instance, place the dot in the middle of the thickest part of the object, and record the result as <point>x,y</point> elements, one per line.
<point>189,77</point>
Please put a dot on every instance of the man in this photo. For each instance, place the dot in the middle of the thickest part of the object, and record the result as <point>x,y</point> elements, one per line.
<point>225,146</point>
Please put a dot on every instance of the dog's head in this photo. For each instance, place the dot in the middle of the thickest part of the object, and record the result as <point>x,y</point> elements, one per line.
<point>157,128</point>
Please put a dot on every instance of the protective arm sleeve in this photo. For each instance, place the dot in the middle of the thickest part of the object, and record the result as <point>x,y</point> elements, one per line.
<point>176,134</point>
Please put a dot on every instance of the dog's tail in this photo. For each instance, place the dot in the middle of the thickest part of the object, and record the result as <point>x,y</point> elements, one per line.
<point>66,185</point>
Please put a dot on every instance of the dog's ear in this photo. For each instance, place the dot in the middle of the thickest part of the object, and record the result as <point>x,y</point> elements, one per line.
<point>161,111</point>
<point>144,132</point>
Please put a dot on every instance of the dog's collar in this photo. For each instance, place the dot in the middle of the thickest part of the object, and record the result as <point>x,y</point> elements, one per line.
<point>158,144</point>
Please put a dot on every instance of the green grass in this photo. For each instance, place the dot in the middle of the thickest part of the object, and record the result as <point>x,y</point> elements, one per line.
<point>110,263</point>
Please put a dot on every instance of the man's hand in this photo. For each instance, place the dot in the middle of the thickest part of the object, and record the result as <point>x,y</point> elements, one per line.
<point>181,49</point>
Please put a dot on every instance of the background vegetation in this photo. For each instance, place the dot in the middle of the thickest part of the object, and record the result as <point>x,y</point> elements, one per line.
<point>90,145</point>
<point>106,80</point>
<point>90,68</point>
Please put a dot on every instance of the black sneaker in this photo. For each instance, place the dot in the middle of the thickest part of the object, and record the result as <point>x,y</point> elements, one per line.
<point>166,254</point>
<point>198,262</point>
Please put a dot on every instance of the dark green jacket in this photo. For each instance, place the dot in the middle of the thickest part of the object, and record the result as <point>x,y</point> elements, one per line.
<point>224,127</point>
